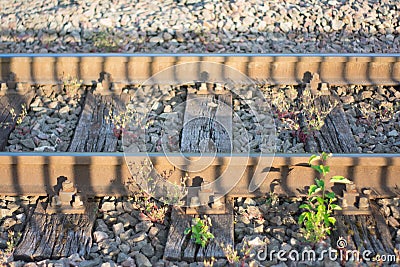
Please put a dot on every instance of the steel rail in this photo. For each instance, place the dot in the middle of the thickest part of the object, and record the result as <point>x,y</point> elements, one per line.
<point>335,69</point>
<point>98,174</point>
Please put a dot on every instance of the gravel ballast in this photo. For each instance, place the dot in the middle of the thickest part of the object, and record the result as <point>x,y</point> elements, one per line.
<point>125,235</point>
<point>122,235</point>
<point>192,26</point>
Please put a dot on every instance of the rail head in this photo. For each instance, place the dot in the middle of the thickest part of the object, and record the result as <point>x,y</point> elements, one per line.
<point>128,69</point>
<point>109,173</point>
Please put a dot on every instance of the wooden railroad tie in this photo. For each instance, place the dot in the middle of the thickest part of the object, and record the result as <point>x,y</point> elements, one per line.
<point>59,229</point>
<point>207,122</point>
<point>180,247</point>
<point>334,135</point>
<point>94,133</point>
<point>207,128</point>
<point>359,222</point>
<point>9,102</point>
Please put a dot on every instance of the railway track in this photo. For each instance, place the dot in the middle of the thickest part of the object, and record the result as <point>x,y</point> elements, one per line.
<point>47,69</point>
<point>22,72</point>
<point>100,174</point>
<point>109,83</point>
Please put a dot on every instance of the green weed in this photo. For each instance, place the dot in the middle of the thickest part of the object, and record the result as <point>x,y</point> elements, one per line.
<point>317,219</point>
<point>200,232</point>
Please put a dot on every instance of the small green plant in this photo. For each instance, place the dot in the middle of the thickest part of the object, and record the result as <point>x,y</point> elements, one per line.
<point>231,254</point>
<point>272,199</point>
<point>299,114</point>
<point>317,219</point>
<point>142,177</point>
<point>71,85</point>
<point>16,119</point>
<point>314,116</point>
<point>106,40</point>
<point>234,257</point>
<point>150,209</point>
<point>12,241</point>
<point>200,232</point>
<point>209,262</point>
<point>156,213</point>
<point>121,121</point>
<point>174,193</point>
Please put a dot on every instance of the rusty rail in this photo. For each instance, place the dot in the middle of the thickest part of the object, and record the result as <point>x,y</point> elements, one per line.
<point>335,69</point>
<point>101,174</point>
<point>107,173</point>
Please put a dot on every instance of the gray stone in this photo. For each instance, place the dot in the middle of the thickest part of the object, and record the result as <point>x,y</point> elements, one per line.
<point>156,39</point>
<point>29,264</point>
<point>329,263</point>
<point>337,24</point>
<point>393,133</point>
<point>39,109</point>
<point>107,206</point>
<point>129,262</point>
<point>118,229</point>
<point>121,257</point>
<point>127,206</point>
<point>110,248</point>
<point>106,22</point>
<point>13,207</point>
<point>21,217</point>
<point>259,229</point>
<point>367,94</point>
<point>43,136</point>
<point>90,263</point>
<point>64,112</point>
<point>94,248</point>
<point>101,225</point>
<point>167,109</point>
<point>45,149</point>
<point>52,120</point>
<point>167,36</point>
<point>294,242</point>
<point>153,232</point>
<point>53,105</point>
<point>249,202</point>
<point>75,257</point>
<point>3,243</point>
<point>286,26</point>
<point>293,207</point>
<point>13,141</point>
<point>124,248</point>
<point>348,99</point>
<point>141,260</point>
<point>276,220</point>
<point>139,237</point>
<point>126,235</point>
<point>28,143</point>
<point>143,226</point>
<point>127,220</point>
<point>395,212</point>
<point>253,263</point>
<point>133,148</point>
<point>244,219</point>
<point>148,250</point>
<point>36,103</point>
<point>100,236</point>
